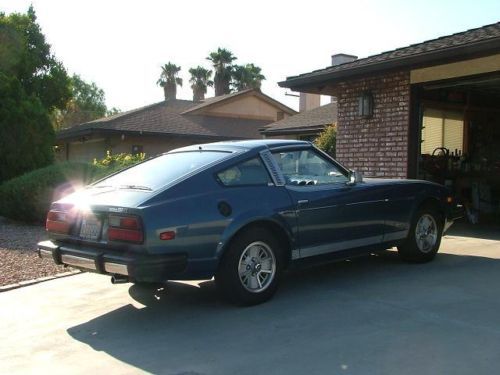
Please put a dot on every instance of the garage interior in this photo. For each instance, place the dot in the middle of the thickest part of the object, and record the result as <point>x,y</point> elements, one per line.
<point>459,140</point>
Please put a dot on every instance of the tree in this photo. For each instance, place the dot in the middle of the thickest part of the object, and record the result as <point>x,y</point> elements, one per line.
<point>86,104</point>
<point>327,140</point>
<point>247,76</point>
<point>26,135</point>
<point>32,85</point>
<point>25,55</point>
<point>113,111</point>
<point>222,62</point>
<point>169,80</point>
<point>200,81</point>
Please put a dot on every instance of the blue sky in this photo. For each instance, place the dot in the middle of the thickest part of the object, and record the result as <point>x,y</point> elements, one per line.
<point>121,45</point>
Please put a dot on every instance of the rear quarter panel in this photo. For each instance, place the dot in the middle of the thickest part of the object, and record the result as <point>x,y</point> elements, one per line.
<point>191,210</point>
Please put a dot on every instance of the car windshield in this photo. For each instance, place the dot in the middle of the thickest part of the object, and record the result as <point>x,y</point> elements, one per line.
<point>158,172</point>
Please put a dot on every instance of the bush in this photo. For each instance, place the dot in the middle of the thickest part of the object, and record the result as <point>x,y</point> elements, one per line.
<point>113,163</point>
<point>327,140</point>
<point>28,197</point>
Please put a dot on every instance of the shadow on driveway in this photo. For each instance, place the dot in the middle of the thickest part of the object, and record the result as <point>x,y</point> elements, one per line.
<point>371,315</point>
<point>482,231</point>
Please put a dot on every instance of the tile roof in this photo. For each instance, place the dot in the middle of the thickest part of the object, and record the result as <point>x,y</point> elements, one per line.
<point>165,118</point>
<point>313,119</point>
<point>485,37</point>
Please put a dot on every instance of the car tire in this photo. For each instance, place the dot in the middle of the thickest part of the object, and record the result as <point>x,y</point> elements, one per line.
<point>251,267</point>
<point>424,237</point>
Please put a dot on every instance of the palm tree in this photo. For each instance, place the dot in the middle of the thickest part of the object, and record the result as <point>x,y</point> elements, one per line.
<point>200,80</point>
<point>169,80</point>
<point>221,60</point>
<point>247,77</point>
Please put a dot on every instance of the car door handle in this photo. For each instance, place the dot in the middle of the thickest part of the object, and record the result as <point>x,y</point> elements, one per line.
<point>302,201</point>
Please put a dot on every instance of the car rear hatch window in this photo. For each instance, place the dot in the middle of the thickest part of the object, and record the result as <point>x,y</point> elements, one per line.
<point>162,170</point>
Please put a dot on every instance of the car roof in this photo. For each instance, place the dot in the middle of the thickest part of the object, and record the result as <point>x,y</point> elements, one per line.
<point>244,145</point>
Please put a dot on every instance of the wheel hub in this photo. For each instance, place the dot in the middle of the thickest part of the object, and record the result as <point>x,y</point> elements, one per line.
<point>426,233</point>
<point>257,267</point>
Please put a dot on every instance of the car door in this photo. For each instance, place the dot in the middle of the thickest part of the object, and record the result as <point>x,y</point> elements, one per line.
<point>332,214</point>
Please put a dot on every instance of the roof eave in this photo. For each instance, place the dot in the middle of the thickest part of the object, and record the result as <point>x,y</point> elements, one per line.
<point>305,129</point>
<point>81,133</point>
<point>452,53</point>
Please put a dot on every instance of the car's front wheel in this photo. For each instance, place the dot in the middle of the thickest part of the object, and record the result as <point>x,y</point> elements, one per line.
<point>250,269</point>
<point>424,238</point>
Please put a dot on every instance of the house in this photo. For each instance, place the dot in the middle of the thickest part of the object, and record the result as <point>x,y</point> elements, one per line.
<point>172,123</point>
<point>305,125</point>
<point>430,110</point>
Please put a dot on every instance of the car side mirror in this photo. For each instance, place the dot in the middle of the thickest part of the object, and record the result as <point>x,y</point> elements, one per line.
<point>355,177</point>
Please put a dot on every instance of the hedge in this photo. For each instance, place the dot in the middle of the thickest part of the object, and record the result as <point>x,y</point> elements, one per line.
<point>27,197</point>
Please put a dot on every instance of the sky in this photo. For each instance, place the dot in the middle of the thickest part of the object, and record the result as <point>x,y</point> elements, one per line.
<point>121,45</point>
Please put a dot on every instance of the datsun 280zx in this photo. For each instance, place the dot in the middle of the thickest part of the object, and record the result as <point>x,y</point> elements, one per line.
<point>242,212</point>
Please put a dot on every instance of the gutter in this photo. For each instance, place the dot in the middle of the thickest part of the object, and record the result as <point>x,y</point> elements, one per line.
<point>90,131</point>
<point>308,79</point>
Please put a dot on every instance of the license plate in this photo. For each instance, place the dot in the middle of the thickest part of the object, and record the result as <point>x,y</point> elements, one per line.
<point>90,229</point>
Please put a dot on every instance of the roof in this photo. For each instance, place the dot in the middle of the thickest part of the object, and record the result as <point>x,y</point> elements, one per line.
<point>171,117</point>
<point>312,120</point>
<point>222,99</point>
<point>467,43</point>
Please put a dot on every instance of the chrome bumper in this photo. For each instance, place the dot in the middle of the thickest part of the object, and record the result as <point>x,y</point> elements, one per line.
<point>136,266</point>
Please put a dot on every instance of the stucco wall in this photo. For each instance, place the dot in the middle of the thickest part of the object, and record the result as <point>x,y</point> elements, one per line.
<point>96,148</point>
<point>151,145</point>
<point>247,107</point>
<point>377,146</point>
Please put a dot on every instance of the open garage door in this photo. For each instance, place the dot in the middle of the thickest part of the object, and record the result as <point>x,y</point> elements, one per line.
<point>459,141</point>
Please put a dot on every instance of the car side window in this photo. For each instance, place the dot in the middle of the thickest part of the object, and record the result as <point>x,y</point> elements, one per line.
<point>306,167</point>
<point>250,172</point>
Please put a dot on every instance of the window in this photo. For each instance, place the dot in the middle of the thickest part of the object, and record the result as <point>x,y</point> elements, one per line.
<point>306,167</point>
<point>137,149</point>
<point>309,138</point>
<point>251,172</point>
<point>365,104</point>
<point>442,129</point>
<point>158,172</point>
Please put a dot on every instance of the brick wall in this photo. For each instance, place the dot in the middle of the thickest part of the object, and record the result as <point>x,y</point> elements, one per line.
<point>378,146</point>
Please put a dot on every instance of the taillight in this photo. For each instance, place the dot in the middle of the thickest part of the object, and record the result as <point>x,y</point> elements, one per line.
<point>125,228</point>
<point>59,219</point>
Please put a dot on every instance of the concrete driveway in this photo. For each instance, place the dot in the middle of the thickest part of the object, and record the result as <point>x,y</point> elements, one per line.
<point>372,315</point>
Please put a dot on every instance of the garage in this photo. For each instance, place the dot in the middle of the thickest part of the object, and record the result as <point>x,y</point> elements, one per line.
<point>459,131</point>
<point>430,110</point>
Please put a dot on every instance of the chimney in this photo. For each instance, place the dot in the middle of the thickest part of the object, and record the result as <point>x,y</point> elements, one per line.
<point>309,101</point>
<point>341,58</point>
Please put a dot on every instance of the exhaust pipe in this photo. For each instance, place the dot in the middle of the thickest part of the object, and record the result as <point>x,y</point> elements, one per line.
<point>119,279</point>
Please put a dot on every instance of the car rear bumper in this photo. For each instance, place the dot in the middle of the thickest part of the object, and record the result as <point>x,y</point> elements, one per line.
<point>136,267</point>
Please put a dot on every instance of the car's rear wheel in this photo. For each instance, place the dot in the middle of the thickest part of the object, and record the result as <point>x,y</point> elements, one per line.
<point>424,238</point>
<point>250,269</point>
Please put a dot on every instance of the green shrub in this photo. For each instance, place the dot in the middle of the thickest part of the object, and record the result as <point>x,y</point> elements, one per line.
<point>327,140</point>
<point>28,197</point>
<point>112,163</point>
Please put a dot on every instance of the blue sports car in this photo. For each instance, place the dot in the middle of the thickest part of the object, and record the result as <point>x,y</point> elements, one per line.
<point>242,212</point>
